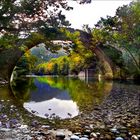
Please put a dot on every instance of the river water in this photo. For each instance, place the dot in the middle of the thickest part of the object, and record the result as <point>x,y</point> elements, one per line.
<point>108,103</point>
<point>61,97</point>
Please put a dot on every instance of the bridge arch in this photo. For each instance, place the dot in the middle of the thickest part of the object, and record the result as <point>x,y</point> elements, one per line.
<point>86,38</point>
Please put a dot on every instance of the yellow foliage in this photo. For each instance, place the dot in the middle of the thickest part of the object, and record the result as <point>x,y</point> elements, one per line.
<point>49,66</point>
<point>77,59</point>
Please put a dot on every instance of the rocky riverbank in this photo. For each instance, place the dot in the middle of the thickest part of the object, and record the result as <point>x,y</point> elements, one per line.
<point>24,132</point>
<point>118,117</point>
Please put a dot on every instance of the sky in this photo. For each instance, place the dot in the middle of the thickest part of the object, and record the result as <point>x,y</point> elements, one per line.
<point>91,13</point>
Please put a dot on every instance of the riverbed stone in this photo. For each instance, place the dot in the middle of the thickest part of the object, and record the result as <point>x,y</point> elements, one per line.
<point>60,135</point>
<point>134,137</point>
<point>29,137</point>
<point>45,126</point>
<point>114,130</point>
<point>86,136</point>
<point>93,135</point>
<point>23,127</point>
<point>77,134</point>
<point>119,138</point>
<point>74,137</point>
<point>87,132</point>
<point>83,138</point>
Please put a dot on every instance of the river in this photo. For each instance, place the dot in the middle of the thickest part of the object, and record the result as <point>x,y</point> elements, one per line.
<point>88,103</point>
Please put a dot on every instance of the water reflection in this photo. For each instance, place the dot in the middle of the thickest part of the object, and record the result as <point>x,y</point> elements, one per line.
<point>54,108</point>
<point>61,97</point>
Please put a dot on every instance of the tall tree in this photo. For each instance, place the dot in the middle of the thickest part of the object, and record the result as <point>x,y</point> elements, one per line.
<point>123,33</point>
<point>19,18</point>
<point>27,15</point>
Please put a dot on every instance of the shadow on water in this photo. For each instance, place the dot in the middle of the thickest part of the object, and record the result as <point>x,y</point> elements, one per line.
<point>6,93</point>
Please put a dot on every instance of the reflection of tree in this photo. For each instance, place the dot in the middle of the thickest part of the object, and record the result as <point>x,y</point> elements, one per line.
<point>85,95</point>
<point>21,87</point>
<point>20,84</point>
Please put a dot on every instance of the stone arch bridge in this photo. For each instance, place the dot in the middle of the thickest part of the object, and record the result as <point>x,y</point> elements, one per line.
<point>9,59</point>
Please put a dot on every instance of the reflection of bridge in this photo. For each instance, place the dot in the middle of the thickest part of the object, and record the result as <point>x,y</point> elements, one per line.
<point>86,38</point>
<point>87,73</point>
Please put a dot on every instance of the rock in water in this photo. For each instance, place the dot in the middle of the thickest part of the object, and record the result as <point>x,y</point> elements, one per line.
<point>134,137</point>
<point>114,130</point>
<point>60,135</point>
<point>74,137</point>
<point>45,126</point>
<point>93,135</point>
<point>119,138</point>
<point>83,138</point>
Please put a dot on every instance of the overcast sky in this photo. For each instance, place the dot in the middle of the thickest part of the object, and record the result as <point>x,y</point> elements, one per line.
<point>91,13</point>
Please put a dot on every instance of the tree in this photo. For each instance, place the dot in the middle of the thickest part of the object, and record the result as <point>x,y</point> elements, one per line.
<point>65,67</point>
<point>86,28</point>
<point>128,31</point>
<point>26,64</point>
<point>19,18</point>
<point>122,33</point>
<point>55,69</point>
<point>26,15</point>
